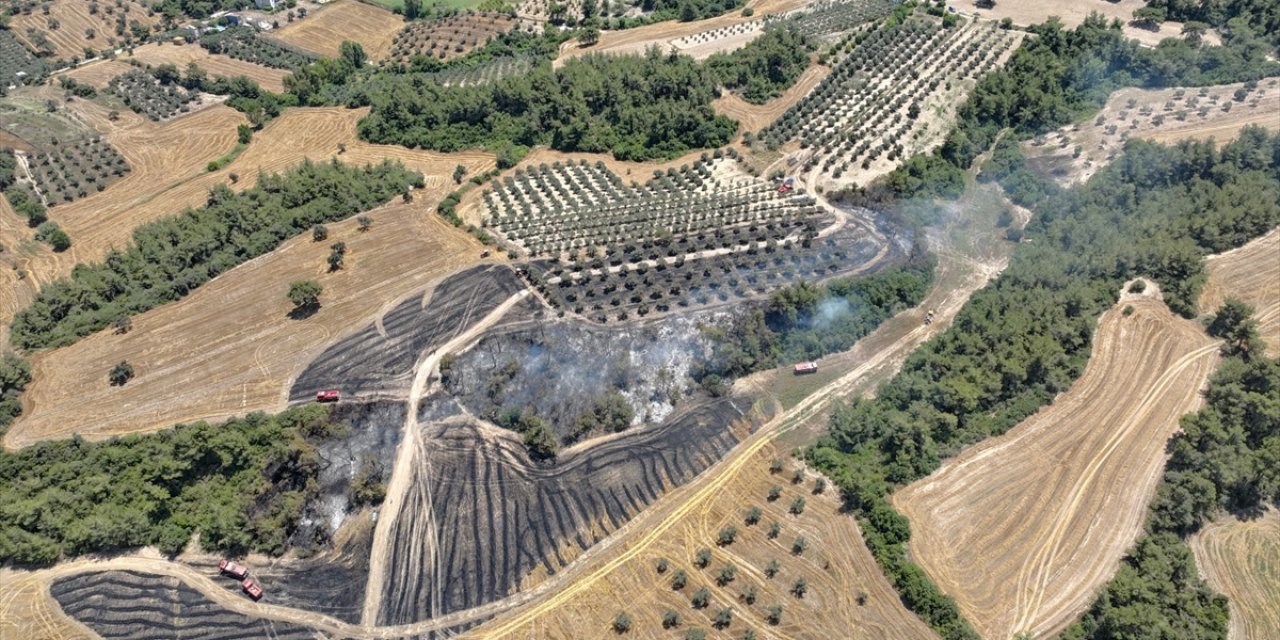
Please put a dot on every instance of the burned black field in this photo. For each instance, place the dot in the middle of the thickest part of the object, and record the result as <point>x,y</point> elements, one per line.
<point>140,606</point>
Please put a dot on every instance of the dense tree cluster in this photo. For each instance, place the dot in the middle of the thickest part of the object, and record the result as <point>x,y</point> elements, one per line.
<point>1257,16</point>
<point>15,374</point>
<point>1025,338</point>
<point>1226,458</point>
<point>242,485</point>
<point>170,257</point>
<point>767,66</point>
<point>637,107</point>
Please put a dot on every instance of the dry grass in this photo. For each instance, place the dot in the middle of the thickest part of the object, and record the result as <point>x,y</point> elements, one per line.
<point>69,39</point>
<point>1252,274</point>
<point>837,567</point>
<point>1242,560</point>
<point>98,74</point>
<point>1073,12</point>
<point>28,611</point>
<point>1023,529</point>
<point>1054,154</point>
<point>229,348</point>
<point>324,29</point>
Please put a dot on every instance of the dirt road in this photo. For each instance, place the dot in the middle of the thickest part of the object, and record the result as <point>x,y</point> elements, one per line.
<point>408,452</point>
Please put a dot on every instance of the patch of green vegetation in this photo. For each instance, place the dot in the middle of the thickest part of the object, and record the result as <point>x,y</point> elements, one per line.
<point>227,158</point>
<point>243,485</point>
<point>767,66</point>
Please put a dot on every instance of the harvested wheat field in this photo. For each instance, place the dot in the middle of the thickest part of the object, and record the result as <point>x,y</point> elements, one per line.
<point>156,54</point>
<point>20,250</point>
<point>836,565</point>
<point>1161,115</point>
<point>28,611</point>
<point>324,29</point>
<point>1252,274</point>
<point>230,348</point>
<point>1241,559</point>
<point>754,117</point>
<point>73,18</point>
<point>1073,12</point>
<point>99,74</point>
<point>1024,528</point>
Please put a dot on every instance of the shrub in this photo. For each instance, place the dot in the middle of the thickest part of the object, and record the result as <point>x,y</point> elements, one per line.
<point>670,619</point>
<point>622,622</point>
<point>305,294</point>
<point>799,546</point>
<point>679,579</point>
<point>797,506</point>
<point>727,535</point>
<point>701,598</point>
<point>120,374</point>
<point>662,565</point>
<point>727,574</point>
<point>702,558</point>
<point>753,516</point>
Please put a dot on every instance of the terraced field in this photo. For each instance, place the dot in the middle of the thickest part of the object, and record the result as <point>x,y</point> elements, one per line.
<point>111,23</point>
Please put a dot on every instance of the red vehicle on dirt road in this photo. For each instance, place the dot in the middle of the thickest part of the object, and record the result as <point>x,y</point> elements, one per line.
<point>328,395</point>
<point>252,588</point>
<point>806,367</point>
<point>229,568</point>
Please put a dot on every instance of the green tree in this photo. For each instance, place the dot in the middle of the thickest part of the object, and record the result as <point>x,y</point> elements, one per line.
<point>622,622</point>
<point>670,619</point>
<point>800,587</point>
<point>305,294</point>
<point>1234,324</point>
<point>244,133</point>
<point>679,579</point>
<point>701,598</point>
<point>352,54</point>
<point>727,535</point>
<point>702,558</point>
<point>120,374</point>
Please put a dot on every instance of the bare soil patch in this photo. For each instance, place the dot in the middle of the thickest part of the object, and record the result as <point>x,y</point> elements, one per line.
<point>1241,559</point>
<point>72,17</point>
<point>1073,12</point>
<point>1073,153</point>
<point>1252,274</point>
<point>1023,529</point>
<point>324,29</point>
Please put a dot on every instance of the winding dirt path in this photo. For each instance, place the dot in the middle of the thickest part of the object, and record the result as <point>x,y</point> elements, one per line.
<point>408,453</point>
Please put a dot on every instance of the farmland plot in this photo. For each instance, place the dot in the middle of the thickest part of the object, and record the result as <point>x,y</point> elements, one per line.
<point>71,26</point>
<point>324,29</point>
<point>1073,153</point>
<point>143,93</point>
<point>1252,274</point>
<point>832,16</point>
<point>1241,559</point>
<point>243,43</point>
<point>1060,497</point>
<point>451,37</point>
<point>74,169</point>
<point>15,59</point>
<point>888,98</point>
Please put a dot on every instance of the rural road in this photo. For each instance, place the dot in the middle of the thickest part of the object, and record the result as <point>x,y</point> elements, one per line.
<point>402,469</point>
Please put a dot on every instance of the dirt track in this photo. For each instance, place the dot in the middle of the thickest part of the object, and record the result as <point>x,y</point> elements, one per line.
<point>1023,529</point>
<point>324,29</point>
<point>1252,274</point>
<point>1241,559</point>
<point>755,117</point>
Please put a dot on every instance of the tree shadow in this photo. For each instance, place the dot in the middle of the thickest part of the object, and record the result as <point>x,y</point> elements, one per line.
<point>303,312</point>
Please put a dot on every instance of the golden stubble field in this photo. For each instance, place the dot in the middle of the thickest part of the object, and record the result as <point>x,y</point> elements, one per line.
<point>73,19</point>
<point>1024,528</point>
<point>1252,274</point>
<point>324,29</point>
<point>1241,559</point>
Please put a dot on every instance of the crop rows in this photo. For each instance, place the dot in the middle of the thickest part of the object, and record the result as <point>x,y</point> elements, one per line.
<point>566,208</point>
<point>832,16</point>
<point>870,105</point>
<point>76,170</point>
<point>713,35</point>
<point>243,43</point>
<point>484,73</point>
<point>450,37</point>
<point>637,290</point>
<point>14,58</point>
<point>143,93</point>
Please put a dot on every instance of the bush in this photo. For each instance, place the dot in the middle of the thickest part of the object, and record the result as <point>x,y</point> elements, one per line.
<point>622,622</point>
<point>702,558</point>
<point>679,579</point>
<point>701,598</point>
<point>51,233</point>
<point>727,535</point>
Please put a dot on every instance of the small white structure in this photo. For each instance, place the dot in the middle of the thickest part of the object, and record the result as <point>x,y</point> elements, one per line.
<point>267,5</point>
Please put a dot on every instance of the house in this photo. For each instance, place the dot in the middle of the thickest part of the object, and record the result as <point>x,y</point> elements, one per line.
<point>267,5</point>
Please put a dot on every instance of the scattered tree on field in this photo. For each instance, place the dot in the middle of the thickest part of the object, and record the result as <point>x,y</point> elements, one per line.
<point>120,374</point>
<point>800,545</point>
<point>364,222</point>
<point>753,515</point>
<point>727,535</point>
<point>305,294</point>
<point>772,568</point>
<point>459,172</point>
<point>244,133</point>
<point>622,622</point>
<point>679,579</point>
<point>662,565</point>
<point>702,558</point>
<point>122,324</point>
<point>797,506</point>
<point>695,634</point>
<point>775,492</point>
<point>337,253</point>
<point>319,233</point>
<point>727,574</point>
<point>723,619</point>
<point>862,598</point>
<point>775,528</point>
<point>670,619</point>
<point>774,615</point>
<point>701,598</point>
<point>800,587</point>
<point>750,594</point>
<point>797,477</point>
